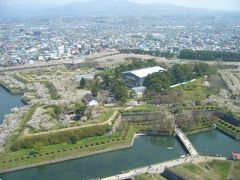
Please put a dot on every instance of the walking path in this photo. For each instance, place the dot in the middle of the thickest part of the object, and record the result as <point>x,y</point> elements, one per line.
<point>186,142</point>
<point>159,168</point>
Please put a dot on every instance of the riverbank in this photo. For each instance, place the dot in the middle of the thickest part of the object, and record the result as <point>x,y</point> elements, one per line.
<point>10,90</point>
<point>66,159</point>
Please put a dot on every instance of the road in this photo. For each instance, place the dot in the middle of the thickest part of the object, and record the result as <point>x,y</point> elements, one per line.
<point>42,64</point>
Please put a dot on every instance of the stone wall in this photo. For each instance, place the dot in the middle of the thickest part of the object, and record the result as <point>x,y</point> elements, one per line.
<point>171,175</point>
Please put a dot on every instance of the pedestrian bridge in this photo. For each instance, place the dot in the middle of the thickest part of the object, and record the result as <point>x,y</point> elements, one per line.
<point>192,151</point>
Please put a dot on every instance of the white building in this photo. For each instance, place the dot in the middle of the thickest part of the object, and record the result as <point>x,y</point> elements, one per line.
<point>135,78</point>
<point>90,100</point>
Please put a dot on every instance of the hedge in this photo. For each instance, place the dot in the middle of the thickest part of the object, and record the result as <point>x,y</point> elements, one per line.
<point>60,137</point>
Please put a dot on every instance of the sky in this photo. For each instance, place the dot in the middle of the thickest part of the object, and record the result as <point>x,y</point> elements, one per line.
<point>208,4</point>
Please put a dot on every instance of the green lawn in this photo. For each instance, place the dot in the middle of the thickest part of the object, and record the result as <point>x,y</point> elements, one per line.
<point>215,170</point>
<point>195,90</point>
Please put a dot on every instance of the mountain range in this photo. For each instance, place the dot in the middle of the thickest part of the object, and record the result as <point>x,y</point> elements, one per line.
<point>98,8</point>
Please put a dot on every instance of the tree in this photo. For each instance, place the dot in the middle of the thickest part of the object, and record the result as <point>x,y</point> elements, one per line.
<point>209,55</point>
<point>181,73</point>
<point>72,140</point>
<point>202,69</point>
<point>38,146</point>
<point>82,83</point>
<point>95,89</point>
<point>158,82</point>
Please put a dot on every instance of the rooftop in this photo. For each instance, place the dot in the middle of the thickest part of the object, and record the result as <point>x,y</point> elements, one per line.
<point>88,98</point>
<point>144,72</point>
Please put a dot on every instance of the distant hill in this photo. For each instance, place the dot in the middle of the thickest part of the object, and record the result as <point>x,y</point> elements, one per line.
<point>97,8</point>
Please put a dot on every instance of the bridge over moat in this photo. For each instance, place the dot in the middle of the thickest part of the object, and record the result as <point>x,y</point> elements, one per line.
<point>159,168</point>
<point>188,145</point>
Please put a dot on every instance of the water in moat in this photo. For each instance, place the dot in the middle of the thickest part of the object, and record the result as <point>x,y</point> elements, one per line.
<point>214,142</point>
<point>146,150</point>
<point>7,102</point>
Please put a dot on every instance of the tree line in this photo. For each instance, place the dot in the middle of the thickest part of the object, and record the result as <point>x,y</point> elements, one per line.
<point>209,55</point>
<point>156,53</point>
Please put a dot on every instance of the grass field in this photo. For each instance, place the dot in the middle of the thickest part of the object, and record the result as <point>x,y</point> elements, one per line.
<point>215,170</point>
<point>195,90</point>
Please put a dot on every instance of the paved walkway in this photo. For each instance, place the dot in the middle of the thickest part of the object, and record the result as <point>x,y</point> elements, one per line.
<point>159,168</point>
<point>186,142</point>
<point>156,168</point>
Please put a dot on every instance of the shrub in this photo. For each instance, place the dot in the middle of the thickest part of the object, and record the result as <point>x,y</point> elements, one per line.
<point>33,152</point>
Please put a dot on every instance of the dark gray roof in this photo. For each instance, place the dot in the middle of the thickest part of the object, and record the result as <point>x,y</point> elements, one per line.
<point>88,98</point>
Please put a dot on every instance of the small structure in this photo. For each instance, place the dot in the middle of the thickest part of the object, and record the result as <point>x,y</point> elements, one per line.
<point>85,76</point>
<point>90,100</point>
<point>135,78</point>
<point>235,156</point>
<point>139,90</point>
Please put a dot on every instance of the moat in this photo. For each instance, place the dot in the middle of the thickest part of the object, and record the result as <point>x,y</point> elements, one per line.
<point>7,102</point>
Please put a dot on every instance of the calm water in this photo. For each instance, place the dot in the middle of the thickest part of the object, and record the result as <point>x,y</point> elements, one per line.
<point>146,150</point>
<point>7,102</point>
<point>214,142</point>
